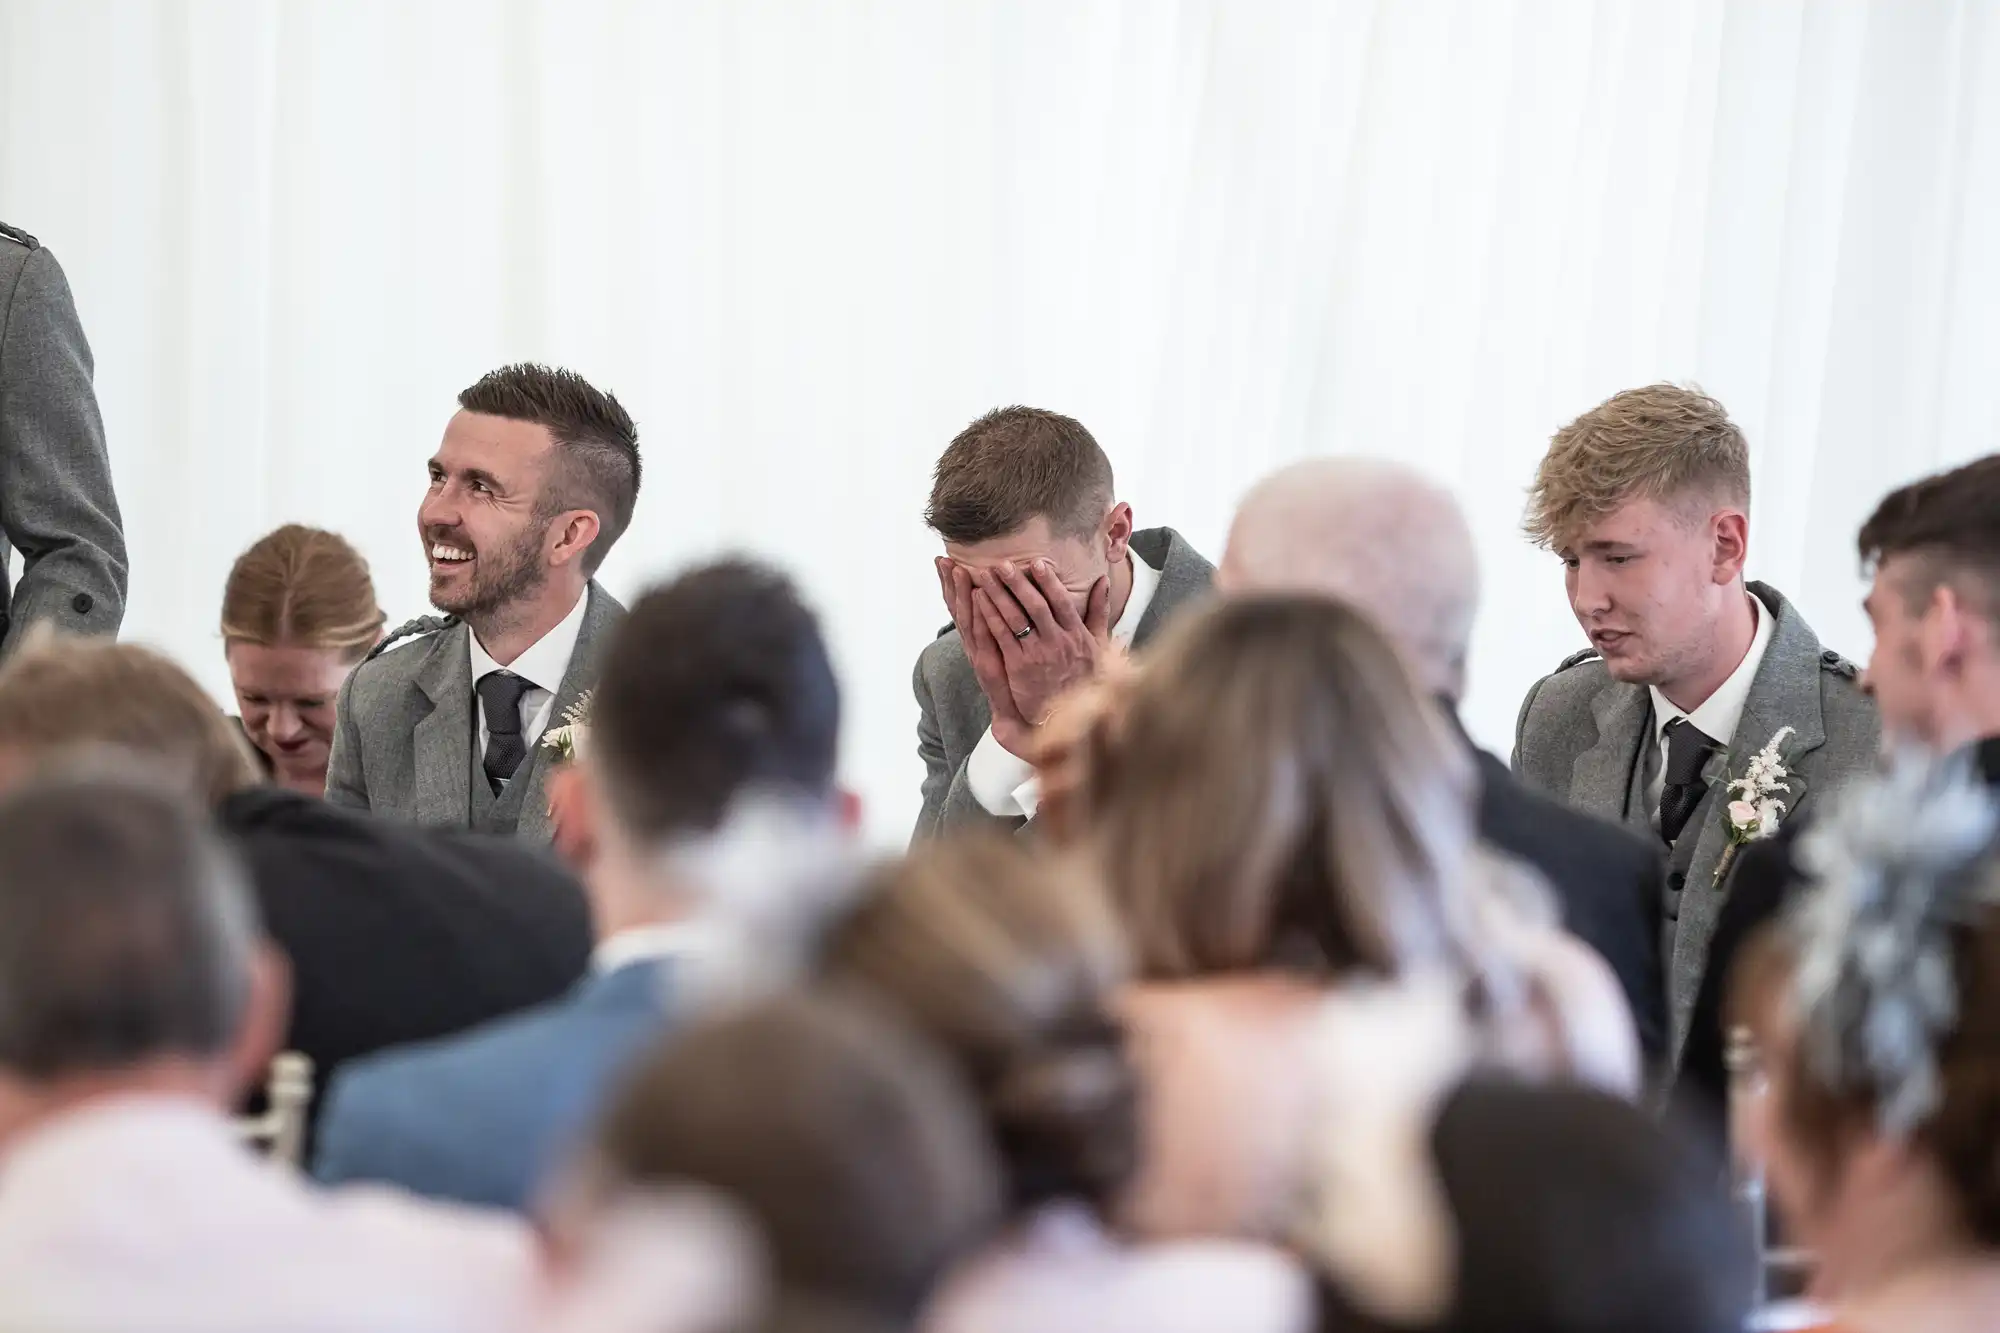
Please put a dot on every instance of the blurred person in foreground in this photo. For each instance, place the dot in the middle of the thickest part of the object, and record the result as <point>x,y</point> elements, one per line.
<point>58,507</point>
<point>706,778</point>
<point>1044,577</point>
<point>532,485</point>
<point>1874,1009</point>
<point>392,933</point>
<point>1012,963</point>
<point>1519,1207</point>
<point>1286,827</point>
<point>826,1164</point>
<point>135,1007</point>
<point>1381,538</point>
<point>298,614</point>
<point>1933,549</point>
<point>1691,673</point>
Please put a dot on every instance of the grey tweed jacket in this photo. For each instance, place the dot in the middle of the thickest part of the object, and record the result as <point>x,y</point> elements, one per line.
<point>1581,735</point>
<point>952,709</point>
<point>405,730</point>
<point>57,506</point>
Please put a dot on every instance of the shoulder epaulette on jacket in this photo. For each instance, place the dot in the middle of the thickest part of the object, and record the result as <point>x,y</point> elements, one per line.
<point>1578,659</point>
<point>1838,665</point>
<point>16,234</point>
<point>410,630</point>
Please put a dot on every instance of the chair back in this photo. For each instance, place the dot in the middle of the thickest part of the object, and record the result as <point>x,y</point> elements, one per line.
<point>281,1130</point>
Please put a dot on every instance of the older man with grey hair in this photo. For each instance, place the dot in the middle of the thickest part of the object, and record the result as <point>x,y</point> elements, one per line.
<point>136,1003</point>
<point>1384,539</point>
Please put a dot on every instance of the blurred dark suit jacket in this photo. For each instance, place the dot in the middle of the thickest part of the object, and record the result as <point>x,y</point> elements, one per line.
<point>397,933</point>
<point>1607,878</point>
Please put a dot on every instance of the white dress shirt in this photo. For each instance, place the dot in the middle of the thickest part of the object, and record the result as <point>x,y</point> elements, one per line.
<point>543,665</point>
<point>1717,715</point>
<point>1003,783</point>
<point>144,1214</point>
<point>654,943</point>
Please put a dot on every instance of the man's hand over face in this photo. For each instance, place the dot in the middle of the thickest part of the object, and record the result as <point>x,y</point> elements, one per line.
<point>1022,674</point>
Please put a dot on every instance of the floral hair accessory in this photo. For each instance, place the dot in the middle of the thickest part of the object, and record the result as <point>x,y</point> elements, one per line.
<point>1900,862</point>
<point>568,739</point>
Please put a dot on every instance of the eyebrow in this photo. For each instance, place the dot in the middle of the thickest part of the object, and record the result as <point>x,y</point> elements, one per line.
<point>1606,548</point>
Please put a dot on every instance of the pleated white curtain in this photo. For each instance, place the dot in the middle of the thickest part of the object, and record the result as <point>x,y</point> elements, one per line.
<point>806,240</point>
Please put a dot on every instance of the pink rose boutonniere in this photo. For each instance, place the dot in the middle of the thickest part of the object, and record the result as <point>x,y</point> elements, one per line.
<point>1759,803</point>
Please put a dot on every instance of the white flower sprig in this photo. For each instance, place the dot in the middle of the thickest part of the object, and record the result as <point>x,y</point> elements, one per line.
<point>1758,806</point>
<point>568,739</point>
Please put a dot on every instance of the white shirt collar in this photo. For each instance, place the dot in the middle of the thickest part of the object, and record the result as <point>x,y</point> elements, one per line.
<point>544,662</point>
<point>651,944</point>
<point>1717,715</point>
<point>1145,583</point>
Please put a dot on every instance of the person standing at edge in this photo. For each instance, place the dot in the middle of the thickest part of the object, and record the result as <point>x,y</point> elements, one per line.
<point>533,484</point>
<point>57,505</point>
<point>1042,570</point>
<point>1691,671</point>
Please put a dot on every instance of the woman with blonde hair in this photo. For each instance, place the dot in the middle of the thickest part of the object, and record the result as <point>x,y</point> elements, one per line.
<point>1287,827</point>
<point>298,614</point>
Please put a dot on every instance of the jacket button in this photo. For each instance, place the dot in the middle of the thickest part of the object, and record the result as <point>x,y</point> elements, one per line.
<point>81,603</point>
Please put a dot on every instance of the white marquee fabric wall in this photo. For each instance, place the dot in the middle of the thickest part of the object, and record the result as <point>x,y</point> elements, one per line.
<point>806,240</point>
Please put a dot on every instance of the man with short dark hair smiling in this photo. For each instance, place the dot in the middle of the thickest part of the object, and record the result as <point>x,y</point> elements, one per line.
<point>1042,571</point>
<point>534,481</point>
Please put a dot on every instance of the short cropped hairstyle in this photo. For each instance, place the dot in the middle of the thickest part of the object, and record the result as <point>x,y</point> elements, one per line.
<point>300,587</point>
<point>597,446</point>
<point>717,685</point>
<point>1950,525</point>
<point>61,692</point>
<point>126,928</point>
<point>1016,464</point>
<point>850,1142</point>
<point>1663,443</point>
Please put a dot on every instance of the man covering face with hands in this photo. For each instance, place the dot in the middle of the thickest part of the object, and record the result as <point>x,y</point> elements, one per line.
<point>1043,574</point>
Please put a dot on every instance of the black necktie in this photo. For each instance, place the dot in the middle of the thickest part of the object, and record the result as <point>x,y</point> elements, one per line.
<point>500,694</point>
<point>1688,749</point>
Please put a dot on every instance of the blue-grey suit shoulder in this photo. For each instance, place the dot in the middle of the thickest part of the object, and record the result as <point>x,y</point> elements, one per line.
<point>483,1117</point>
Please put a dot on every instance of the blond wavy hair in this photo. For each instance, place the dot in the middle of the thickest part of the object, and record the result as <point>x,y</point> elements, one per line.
<point>1663,442</point>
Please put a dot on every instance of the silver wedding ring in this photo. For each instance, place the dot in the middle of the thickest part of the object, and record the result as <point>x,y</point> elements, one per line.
<point>1024,631</point>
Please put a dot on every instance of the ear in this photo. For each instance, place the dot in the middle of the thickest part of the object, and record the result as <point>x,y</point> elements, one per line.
<point>1730,529</point>
<point>570,536</point>
<point>267,1020</point>
<point>1944,632</point>
<point>574,798</point>
<point>1117,532</point>
<point>847,809</point>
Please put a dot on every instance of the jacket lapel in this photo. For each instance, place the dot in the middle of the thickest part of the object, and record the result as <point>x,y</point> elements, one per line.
<point>442,739</point>
<point>1785,693</point>
<point>1184,577</point>
<point>1601,779</point>
<point>600,616</point>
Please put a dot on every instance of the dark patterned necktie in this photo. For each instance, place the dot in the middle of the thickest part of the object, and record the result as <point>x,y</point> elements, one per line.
<point>500,694</point>
<point>1688,749</point>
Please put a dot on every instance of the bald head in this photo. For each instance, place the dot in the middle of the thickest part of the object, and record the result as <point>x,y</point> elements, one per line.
<point>1375,535</point>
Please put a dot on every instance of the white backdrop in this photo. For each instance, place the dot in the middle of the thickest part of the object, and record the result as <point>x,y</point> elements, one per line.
<point>806,240</point>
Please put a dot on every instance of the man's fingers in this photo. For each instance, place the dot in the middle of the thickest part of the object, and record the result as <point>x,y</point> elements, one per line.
<point>996,625</point>
<point>1044,575</point>
<point>944,568</point>
<point>1012,618</point>
<point>1040,615</point>
<point>959,598</point>
<point>1097,611</point>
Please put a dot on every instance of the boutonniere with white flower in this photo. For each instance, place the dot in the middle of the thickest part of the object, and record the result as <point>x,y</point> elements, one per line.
<point>567,740</point>
<point>1759,804</point>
